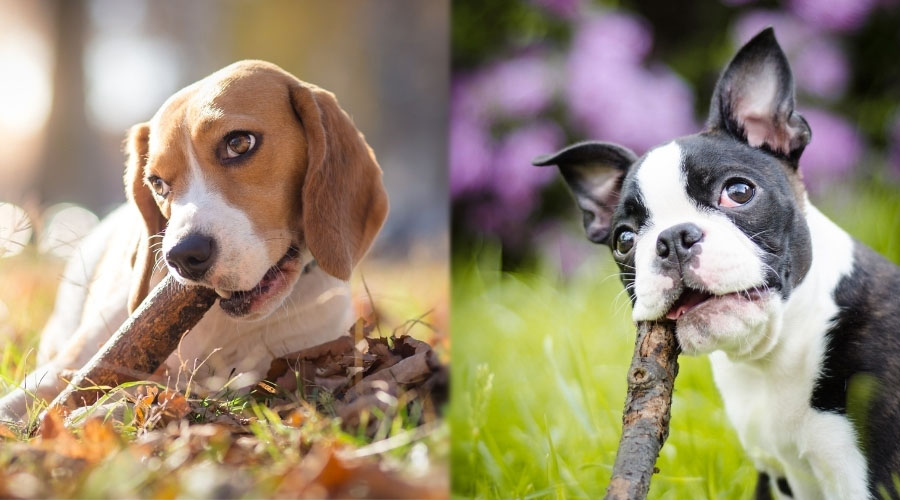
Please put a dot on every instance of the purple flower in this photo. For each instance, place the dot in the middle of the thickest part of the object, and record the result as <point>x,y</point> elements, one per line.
<point>820,65</point>
<point>631,105</point>
<point>514,88</point>
<point>837,15</point>
<point>821,68</point>
<point>613,97</point>
<point>520,87</point>
<point>470,153</point>
<point>515,181</point>
<point>834,151</point>
<point>563,247</point>
<point>611,38</point>
<point>791,32</point>
<point>562,8</point>
<point>466,97</point>
<point>470,142</point>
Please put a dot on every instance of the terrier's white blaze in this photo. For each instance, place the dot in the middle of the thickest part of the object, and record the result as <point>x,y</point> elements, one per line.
<point>729,261</point>
<point>662,182</point>
<point>242,258</point>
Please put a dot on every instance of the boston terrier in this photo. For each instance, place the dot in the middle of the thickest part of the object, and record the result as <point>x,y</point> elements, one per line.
<point>714,232</point>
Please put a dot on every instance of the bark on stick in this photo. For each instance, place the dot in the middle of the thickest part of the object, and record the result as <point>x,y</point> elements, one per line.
<point>141,344</point>
<point>645,421</point>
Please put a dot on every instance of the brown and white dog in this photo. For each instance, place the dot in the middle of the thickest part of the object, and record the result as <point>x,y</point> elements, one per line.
<point>250,182</point>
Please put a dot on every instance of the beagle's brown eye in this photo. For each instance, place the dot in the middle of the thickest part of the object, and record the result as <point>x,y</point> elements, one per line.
<point>239,143</point>
<point>160,187</point>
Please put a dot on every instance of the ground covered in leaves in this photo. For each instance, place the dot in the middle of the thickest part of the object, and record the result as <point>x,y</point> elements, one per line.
<point>358,417</point>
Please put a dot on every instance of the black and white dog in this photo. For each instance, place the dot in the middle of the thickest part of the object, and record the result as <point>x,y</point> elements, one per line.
<point>714,231</point>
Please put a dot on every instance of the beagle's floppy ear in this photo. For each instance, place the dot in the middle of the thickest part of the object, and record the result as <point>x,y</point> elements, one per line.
<point>139,195</point>
<point>344,202</point>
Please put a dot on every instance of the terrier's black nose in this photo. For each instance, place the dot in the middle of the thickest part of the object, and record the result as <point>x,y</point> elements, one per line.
<point>192,256</point>
<point>681,238</point>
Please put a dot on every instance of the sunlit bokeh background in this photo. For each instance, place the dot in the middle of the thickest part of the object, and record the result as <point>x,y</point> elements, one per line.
<point>76,74</point>
<point>539,314</point>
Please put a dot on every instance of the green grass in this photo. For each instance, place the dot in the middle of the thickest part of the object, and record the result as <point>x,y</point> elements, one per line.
<point>237,445</point>
<point>538,386</point>
<point>538,379</point>
<point>870,212</point>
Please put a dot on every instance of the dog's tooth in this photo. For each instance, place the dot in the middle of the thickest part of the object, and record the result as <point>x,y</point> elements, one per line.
<point>225,294</point>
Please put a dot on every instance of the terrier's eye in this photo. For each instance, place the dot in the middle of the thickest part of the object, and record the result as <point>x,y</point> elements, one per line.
<point>736,192</point>
<point>239,143</point>
<point>160,187</point>
<point>624,241</point>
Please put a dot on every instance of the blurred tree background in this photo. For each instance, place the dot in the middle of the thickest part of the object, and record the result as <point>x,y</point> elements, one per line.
<point>75,74</point>
<point>530,76</point>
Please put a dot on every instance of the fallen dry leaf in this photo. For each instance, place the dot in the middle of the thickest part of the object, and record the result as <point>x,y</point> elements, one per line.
<point>6,433</point>
<point>323,473</point>
<point>172,405</point>
<point>361,373</point>
<point>295,418</point>
<point>364,381</point>
<point>52,426</point>
<point>97,440</point>
<point>142,403</point>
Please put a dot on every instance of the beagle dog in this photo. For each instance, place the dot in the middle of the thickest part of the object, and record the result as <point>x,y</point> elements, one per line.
<point>250,182</point>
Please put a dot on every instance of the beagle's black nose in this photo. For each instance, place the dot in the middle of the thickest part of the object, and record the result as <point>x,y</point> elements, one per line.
<point>192,256</point>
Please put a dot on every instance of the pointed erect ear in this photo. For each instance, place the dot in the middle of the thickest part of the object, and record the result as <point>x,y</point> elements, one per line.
<point>139,195</point>
<point>344,202</point>
<point>754,100</point>
<point>594,172</point>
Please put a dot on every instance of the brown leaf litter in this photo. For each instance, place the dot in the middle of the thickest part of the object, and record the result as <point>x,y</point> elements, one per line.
<point>291,450</point>
<point>363,375</point>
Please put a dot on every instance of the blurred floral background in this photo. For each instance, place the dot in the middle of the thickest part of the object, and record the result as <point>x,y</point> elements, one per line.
<point>550,72</point>
<point>542,331</point>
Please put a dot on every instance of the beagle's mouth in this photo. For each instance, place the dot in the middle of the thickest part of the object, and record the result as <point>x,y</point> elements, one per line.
<point>691,299</point>
<point>240,303</point>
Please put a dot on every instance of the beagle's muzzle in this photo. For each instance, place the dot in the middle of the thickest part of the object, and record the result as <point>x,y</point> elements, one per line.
<point>250,182</point>
<point>239,172</point>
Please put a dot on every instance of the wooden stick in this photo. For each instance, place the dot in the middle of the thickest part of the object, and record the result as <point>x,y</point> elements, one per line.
<point>648,404</point>
<point>141,344</point>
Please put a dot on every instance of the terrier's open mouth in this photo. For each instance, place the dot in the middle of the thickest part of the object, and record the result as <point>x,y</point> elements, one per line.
<point>691,299</point>
<point>239,303</point>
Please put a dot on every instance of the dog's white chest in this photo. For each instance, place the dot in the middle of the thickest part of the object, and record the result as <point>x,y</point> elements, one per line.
<point>768,416</point>
<point>816,452</point>
<point>221,351</point>
<point>769,400</point>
